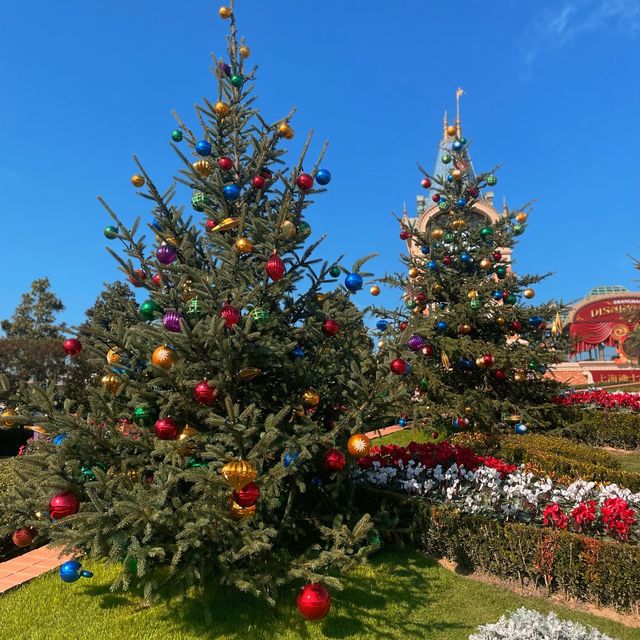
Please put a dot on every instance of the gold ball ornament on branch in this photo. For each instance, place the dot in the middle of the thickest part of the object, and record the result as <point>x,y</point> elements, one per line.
<point>528,293</point>
<point>310,398</point>
<point>113,356</point>
<point>414,272</point>
<point>464,329</point>
<point>288,229</point>
<point>521,218</point>
<point>225,12</point>
<point>519,375</point>
<point>451,130</point>
<point>137,180</point>
<point>185,446</point>
<point>244,51</point>
<point>202,167</point>
<point>485,264</point>
<point>8,418</point>
<point>359,445</point>
<point>239,513</point>
<point>375,290</point>
<point>239,473</point>
<point>285,130</point>
<point>472,295</point>
<point>111,382</point>
<point>243,246</point>
<point>437,234</point>
<point>456,174</point>
<point>221,108</point>
<point>500,321</point>
<point>164,357</point>
<point>459,224</point>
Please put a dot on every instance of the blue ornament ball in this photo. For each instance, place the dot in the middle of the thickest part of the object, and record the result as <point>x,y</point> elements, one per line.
<point>297,352</point>
<point>457,145</point>
<point>59,439</point>
<point>497,295</point>
<point>402,422</point>
<point>290,458</point>
<point>465,257</point>
<point>353,282</point>
<point>466,363</point>
<point>317,482</point>
<point>231,192</point>
<point>461,202</point>
<point>463,141</point>
<point>381,325</point>
<point>521,428</point>
<point>425,250</point>
<point>323,177</point>
<point>441,325</point>
<point>432,265</point>
<point>542,369</point>
<point>203,148</point>
<point>449,178</point>
<point>535,321</point>
<point>70,571</point>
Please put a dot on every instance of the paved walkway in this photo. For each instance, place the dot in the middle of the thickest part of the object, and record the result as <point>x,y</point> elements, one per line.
<point>28,566</point>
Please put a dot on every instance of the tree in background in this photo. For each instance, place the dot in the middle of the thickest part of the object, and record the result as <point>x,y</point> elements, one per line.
<point>473,347</point>
<point>217,441</point>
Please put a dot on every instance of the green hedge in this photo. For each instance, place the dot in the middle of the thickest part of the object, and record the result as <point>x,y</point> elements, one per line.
<point>602,572</point>
<point>606,429</point>
<point>555,455</point>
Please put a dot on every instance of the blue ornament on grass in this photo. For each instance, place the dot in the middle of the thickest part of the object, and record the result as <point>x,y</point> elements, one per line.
<point>353,282</point>
<point>231,192</point>
<point>521,428</point>
<point>323,177</point>
<point>402,422</point>
<point>59,439</point>
<point>441,325</point>
<point>382,325</point>
<point>203,148</point>
<point>297,352</point>
<point>71,571</point>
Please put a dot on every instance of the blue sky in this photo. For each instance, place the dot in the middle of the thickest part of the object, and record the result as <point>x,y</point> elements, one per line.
<point>551,93</point>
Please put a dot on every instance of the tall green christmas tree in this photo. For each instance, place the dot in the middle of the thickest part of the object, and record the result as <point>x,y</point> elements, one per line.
<point>216,444</point>
<point>471,344</point>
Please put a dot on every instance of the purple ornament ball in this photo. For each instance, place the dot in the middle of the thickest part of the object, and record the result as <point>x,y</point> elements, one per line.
<point>171,321</point>
<point>415,342</point>
<point>225,68</point>
<point>166,254</point>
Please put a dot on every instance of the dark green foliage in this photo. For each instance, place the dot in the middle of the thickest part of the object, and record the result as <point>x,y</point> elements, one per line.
<point>602,572</point>
<point>606,429</point>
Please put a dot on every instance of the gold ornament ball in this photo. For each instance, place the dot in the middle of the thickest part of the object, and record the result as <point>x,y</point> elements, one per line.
<point>238,512</point>
<point>186,290</point>
<point>464,329</point>
<point>111,382</point>
<point>137,180</point>
<point>472,294</point>
<point>113,356</point>
<point>437,234</point>
<point>202,167</point>
<point>380,344</point>
<point>224,12</point>
<point>310,398</point>
<point>456,174</point>
<point>437,288</point>
<point>521,218</point>
<point>451,130</point>
<point>285,130</point>
<point>413,272</point>
<point>164,357</point>
<point>185,447</point>
<point>528,293</point>
<point>375,290</point>
<point>519,375</point>
<point>239,473</point>
<point>221,108</point>
<point>480,363</point>
<point>468,410</point>
<point>243,245</point>
<point>359,445</point>
<point>459,224</point>
<point>244,51</point>
<point>8,418</point>
<point>485,263</point>
<point>501,321</point>
<point>288,228</point>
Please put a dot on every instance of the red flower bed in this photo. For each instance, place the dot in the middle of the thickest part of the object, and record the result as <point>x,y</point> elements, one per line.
<point>601,399</point>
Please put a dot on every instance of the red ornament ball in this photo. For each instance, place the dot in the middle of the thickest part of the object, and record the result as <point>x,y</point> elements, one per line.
<point>210,224</point>
<point>421,297</point>
<point>488,359</point>
<point>24,537</point>
<point>403,325</point>
<point>230,315</point>
<point>258,182</point>
<point>275,267</point>
<point>435,197</point>
<point>157,279</point>
<point>63,504</point>
<point>461,423</point>
<point>304,181</point>
<point>500,375</point>
<point>404,235</point>
<point>225,163</point>
<point>247,496</point>
<point>204,393</point>
<point>313,601</point>
<point>497,256</point>
<point>330,327</point>
<point>72,346</point>
<point>428,350</point>
<point>166,429</point>
<point>516,325</point>
<point>399,366</point>
<point>425,182</point>
<point>334,460</point>
<point>137,278</point>
<point>446,261</point>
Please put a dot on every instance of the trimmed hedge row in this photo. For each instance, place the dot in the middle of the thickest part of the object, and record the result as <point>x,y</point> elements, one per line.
<point>602,572</point>
<point>606,429</point>
<point>7,478</point>
<point>550,454</point>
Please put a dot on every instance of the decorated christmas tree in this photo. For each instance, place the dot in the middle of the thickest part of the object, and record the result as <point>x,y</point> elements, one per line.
<point>218,443</point>
<point>471,345</point>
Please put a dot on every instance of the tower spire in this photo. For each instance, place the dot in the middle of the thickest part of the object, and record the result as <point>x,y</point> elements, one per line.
<point>444,125</point>
<point>459,93</point>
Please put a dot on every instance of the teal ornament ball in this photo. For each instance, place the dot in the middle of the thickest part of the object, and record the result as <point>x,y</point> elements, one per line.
<point>510,299</point>
<point>304,229</point>
<point>446,158</point>
<point>177,135</point>
<point>501,271</point>
<point>110,232</point>
<point>486,232</point>
<point>237,80</point>
<point>492,180</point>
<point>260,316</point>
<point>518,229</point>
<point>148,309</point>
<point>335,271</point>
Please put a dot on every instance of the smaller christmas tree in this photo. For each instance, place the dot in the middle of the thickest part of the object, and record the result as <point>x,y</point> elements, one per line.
<point>473,346</point>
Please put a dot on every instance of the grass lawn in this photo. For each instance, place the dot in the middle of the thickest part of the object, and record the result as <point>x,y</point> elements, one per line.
<point>629,460</point>
<point>404,437</point>
<point>399,595</point>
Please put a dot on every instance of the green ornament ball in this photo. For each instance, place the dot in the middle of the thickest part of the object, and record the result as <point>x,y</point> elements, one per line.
<point>304,229</point>
<point>443,205</point>
<point>194,463</point>
<point>199,200</point>
<point>87,470</point>
<point>501,271</point>
<point>423,384</point>
<point>533,365</point>
<point>492,180</point>
<point>237,80</point>
<point>411,303</point>
<point>110,232</point>
<point>335,271</point>
<point>177,135</point>
<point>475,303</point>
<point>448,237</point>
<point>143,416</point>
<point>195,307</point>
<point>446,158</point>
<point>518,229</point>
<point>148,310</point>
<point>510,299</point>
<point>260,316</point>
<point>486,232</point>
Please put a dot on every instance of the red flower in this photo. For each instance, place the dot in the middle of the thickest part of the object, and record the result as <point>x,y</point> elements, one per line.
<point>497,464</point>
<point>554,516</point>
<point>584,513</point>
<point>618,517</point>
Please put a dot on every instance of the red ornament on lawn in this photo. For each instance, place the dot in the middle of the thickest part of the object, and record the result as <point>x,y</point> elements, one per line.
<point>225,163</point>
<point>204,393</point>
<point>166,429</point>
<point>399,366</point>
<point>72,346</point>
<point>313,601</point>
<point>63,504</point>
<point>247,496</point>
<point>304,181</point>
<point>230,315</point>
<point>275,267</point>
<point>24,537</point>
<point>425,182</point>
<point>334,460</point>
<point>330,327</point>
<point>137,278</point>
<point>258,182</point>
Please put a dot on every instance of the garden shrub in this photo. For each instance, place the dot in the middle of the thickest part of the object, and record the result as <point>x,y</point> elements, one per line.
<point>617,429</point>
<point>526,624</point>
<point>598,571</point>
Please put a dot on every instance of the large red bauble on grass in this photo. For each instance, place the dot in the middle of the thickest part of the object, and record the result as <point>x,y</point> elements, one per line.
<point>313,601</point>
<point>24,537</point>
<point>63,504</point>
<point>204,393</point>
<point>334,460</point>
<point>72,346</point>
<point>399,366</point>
<point>304,181</point>
<point>330,327</point>
<point>247,496</point>
<point>166,429</point>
